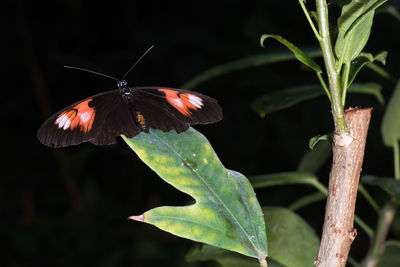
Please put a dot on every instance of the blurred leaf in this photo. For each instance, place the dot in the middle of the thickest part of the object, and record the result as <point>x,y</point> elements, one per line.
<point>292,241</point>
<point>298,53</point>
<point>389,185</point>
<point>354,26</point>
<point>307,200</point>
<point>362,60</point>
<point>223,257</point>
<point>313,160</point>
<point>314,140</point>
<point>283,178</point>
<point>285,98</point>
<point>225,200</point>
<point>390,127</point>
<point>341,3</point>
<point>244,63</point>
<point>369,89</point>
<point>391,255</point>
<point>380,71</point>
<point>390,9</point>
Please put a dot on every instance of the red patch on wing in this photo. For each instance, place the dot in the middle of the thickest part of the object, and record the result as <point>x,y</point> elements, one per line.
<point>184,103</point>
<point>80,115</point>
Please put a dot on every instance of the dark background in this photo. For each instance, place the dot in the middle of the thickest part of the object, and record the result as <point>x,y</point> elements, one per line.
<point>69,207</point>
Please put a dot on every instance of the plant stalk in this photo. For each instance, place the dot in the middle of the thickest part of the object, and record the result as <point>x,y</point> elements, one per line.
<point>263,262</point>
<point>338,231</point>
<point>330,65</point>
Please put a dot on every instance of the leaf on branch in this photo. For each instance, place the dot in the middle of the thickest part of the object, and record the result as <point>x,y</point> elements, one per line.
<point>298,53</point>
<point>226,213</point>
<point>362,60</point>
<point>354,26</point>
<point>314,140</point>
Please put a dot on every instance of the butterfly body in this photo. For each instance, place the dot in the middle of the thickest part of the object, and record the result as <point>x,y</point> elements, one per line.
<point>99,119</point>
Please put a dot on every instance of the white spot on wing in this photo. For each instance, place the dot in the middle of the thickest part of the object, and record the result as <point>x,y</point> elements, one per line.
<point>195,101</point>
<point>177,102</point>
<point>67,124</point>
<point>85,116</point>
<point>63,122</point>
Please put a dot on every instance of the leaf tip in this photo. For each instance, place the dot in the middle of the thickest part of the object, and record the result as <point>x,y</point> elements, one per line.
<point>263,37</point>
<point>139,218</point>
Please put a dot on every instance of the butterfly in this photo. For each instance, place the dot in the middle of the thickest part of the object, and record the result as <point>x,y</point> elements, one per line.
<point>128,111</point>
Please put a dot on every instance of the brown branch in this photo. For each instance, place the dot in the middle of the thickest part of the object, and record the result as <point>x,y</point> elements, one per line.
<point>338,232</point>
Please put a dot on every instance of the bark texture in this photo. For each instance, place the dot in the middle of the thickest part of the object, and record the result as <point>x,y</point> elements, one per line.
<point>338,231</point>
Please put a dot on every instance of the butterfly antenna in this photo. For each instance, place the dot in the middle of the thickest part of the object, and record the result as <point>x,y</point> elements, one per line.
<point>91,71</point>
<point>137,61</point>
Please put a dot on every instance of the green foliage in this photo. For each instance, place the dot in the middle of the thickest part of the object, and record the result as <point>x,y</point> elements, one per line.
<point>285,178</point>
<point>314,140</point>
<point>391,255</point>
<point>293,243</point>
<point>224,258</point>
<point>285,98</point>
<point>390,128</point>
<point>389,185</point>
<point>364,59</point>
<point>225,199</point>
<point>354,26</point>
<point>313,159</point>
<point>298,53</point>
<point>244,63</point>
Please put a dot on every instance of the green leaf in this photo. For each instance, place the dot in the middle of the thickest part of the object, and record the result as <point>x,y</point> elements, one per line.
<point>391,255</point>
<point>284,178</point>
<point>244,63</point>
<point>354,26</point>
<point>298,53</point>
<point>367,12</point>
<point>226,213</point>
<point>389,185</point>
<point>390,127</point>
<point>362,60</point>
<point>285,98</point>
<point>293,243</point>
<point>314,140</point>
<point>314,159</point>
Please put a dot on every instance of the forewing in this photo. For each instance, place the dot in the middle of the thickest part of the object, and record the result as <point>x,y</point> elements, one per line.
<point>98,119</point>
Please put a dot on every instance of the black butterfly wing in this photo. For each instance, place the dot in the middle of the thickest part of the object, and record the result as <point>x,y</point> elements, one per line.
<point>169,108</point>
<point>98,119</point>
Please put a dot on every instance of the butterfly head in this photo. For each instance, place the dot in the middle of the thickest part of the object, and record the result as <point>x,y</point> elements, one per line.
<point>122,85</point>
